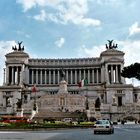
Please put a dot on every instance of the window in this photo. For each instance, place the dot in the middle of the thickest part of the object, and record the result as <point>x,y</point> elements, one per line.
<point>119,91</point>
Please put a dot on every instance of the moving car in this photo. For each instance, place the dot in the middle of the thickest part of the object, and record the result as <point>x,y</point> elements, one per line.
<point>104,126</point>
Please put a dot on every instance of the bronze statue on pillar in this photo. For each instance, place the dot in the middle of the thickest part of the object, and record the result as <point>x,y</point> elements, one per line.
<point>62,74</point>
<point>19,104</point>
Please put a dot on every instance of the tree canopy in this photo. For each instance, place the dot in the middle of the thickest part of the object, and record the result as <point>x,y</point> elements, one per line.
<point>132,71</point>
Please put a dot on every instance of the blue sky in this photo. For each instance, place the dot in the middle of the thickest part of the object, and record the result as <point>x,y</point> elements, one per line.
<point>70,28</point>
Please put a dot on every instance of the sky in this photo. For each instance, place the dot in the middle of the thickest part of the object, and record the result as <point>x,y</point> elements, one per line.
<point>70,28</point>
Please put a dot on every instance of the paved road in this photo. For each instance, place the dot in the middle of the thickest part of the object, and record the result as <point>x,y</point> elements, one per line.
<point>122,132</point>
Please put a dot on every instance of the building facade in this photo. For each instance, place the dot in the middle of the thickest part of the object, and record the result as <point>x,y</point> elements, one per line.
<point>105,88</point>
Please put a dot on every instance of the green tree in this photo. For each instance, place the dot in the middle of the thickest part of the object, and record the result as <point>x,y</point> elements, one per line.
<point>132,71</point>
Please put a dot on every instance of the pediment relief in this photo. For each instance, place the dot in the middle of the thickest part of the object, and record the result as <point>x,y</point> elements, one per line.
<point>15,61</point>
<point>114,59</point>
<point>63,94</point>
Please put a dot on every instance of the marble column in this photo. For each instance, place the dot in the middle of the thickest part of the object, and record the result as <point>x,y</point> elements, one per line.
<point>12,75</point>
<point>7,75</point>
<point>112,74</point>
<point>54,76</point>
<point>41,76</point>
<point>88,76</point>
<point>58,78</point>
<point>84,73</point>
<point>4,74</point>
<point>49,76</point>
<point>37,76</point>
<point>93,76</point>
<point>71,76</point>
<point>67,76</point>
<point>102,74</point>
<point>17,82</point>
<point>32,76</point>
<point>79,75</point>
<point>45,76</point>
<point>116,74</point>
<point>76,76</point>
<point>107,74</point>
<point>97,75</point>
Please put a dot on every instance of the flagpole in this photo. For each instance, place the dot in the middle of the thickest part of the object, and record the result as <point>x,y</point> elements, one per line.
<point>34,90</point>
<point>35,98</point>
<point>35,101</point>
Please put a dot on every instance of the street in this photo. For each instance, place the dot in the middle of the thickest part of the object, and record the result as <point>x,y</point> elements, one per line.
<point>122,132</point>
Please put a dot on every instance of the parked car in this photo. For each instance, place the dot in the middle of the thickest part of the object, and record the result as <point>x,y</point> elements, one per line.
<point>103,126</point>
<point>67,120</point>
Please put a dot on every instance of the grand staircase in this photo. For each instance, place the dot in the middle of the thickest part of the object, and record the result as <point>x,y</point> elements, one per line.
<point>46,114</point>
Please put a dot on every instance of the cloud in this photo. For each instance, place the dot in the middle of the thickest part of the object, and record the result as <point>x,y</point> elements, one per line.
<point>28,4</point>
<point>62,11</point>
<point>87,22</point>
<point>90,52</point>
<point>103,2</point>
<point>131,48</point>
<point>134,29</point>
<point>75,12</point>
<point>42,16</point>
<point>5,47</point>
<point>60,42</point>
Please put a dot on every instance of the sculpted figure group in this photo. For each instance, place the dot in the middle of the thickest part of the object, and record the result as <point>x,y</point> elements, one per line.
<point>111,45</point>
<point>18,48</point>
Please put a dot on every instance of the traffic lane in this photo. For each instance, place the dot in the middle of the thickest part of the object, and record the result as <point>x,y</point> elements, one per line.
<point>87,134</point>
<point>120,133</point>
<point>73,134</point>
<point>26,135</point>
<point>82,134</point>
<point>128,132</point>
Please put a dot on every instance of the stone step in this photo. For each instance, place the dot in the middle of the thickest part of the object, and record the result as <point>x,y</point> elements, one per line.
<point>50,114</point>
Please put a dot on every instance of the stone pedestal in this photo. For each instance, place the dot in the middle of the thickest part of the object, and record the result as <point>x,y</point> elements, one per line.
<point>19,112</point>
<point>88,115</point>
<point>63,87</point>
<point>98,115</point>
<point>9,110</point>
<point>113,108</point>
<point>34,111</point>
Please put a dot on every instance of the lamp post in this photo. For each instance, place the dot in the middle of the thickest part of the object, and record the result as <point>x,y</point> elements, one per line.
<point>110,113</point>
<point>86,102</point>
<point>34,110</point>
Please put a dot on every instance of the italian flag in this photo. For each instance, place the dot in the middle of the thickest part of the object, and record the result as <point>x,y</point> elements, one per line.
<point>34,88</point>
<point>83,83</point>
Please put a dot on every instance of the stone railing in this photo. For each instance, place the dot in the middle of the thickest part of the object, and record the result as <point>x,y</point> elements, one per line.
<point>105,108</point>
<point>121,109</point>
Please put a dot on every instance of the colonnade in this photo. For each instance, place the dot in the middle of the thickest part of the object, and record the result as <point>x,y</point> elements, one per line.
<point>114,73</point>
<point>72,76</point>
<point>13,75</point>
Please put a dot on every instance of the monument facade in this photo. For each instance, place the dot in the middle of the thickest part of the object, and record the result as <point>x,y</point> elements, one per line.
<point>57,83</point>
